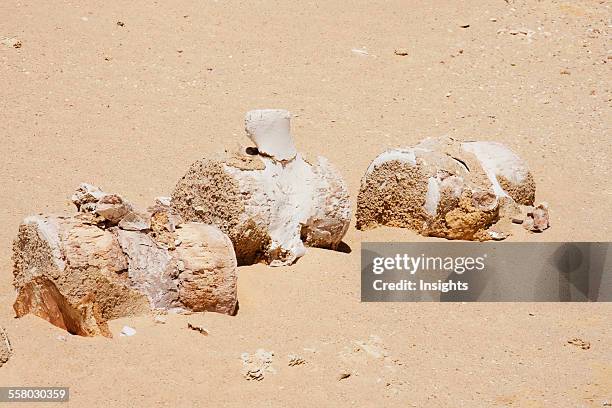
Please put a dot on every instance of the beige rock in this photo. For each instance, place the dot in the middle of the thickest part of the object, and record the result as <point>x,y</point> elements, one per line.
<point>537,219</point>
<point>62,265</point>
<point>5,347</point>
<point>445,188</point>
<point>110,207</point>
<point>135,221</point>
<point>269,200</point>
<point>207,274</point>
<point>41,297</point>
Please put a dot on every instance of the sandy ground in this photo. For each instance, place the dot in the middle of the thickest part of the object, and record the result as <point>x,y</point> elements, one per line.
<point>130,107</point>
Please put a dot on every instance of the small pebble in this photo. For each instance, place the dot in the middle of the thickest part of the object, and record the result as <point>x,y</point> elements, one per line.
<point>127,331</point>
<point>359,52</point>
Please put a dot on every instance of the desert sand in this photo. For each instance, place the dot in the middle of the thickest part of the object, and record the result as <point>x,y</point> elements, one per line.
<point>126,95</point>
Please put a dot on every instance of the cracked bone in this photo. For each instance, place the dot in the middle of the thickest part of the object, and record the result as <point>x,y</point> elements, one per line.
<point>78,273</point>
<point>272,203</point>
<point>445,188</point>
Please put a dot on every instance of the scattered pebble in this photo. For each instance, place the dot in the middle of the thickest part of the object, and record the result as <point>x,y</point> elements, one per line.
<point>361,52</point>
<point>160,319</point>
<point>62,338</point>
<point>537,219</point>
<point>199,329</point>
<point>401,52</point>
<point>585,345</point>
<point>343,376</point>
<point>464,25</point>
<point>120,23</point>
<point>517,220</point>
<point>127,331</point>
<point>10,42</point>
<point>295,360</point>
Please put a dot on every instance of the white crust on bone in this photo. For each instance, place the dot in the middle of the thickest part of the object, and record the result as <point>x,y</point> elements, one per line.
<point>461,187</point>
<point>289,201</point>
<point>498,160</point>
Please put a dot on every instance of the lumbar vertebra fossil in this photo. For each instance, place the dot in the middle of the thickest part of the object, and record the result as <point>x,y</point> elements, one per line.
<point>446,188</point>
<point>269,199</point>
<point>112,260</point>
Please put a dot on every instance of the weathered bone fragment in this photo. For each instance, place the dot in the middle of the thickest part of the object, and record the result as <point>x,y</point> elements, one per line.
<point>103,263</point>
<point>270,201</point>
<point>445,188</point>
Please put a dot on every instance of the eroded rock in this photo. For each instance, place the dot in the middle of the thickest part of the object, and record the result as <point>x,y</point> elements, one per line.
<point>446,188</point>
<point>269,200</point>
<point>41,298</point>
<point>5,347</point>
<point>537,219</point>
<point>108,207</point>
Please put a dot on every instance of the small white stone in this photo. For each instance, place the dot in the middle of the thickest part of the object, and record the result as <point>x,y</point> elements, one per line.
<point>127,331</point>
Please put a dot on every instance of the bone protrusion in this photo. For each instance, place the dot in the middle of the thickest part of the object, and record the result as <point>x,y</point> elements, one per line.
<point>269,129</point>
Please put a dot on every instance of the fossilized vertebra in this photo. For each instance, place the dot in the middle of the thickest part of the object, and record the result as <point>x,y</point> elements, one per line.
<point>269,199</point>
<point>111,260</point>
<point>446,188</point>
